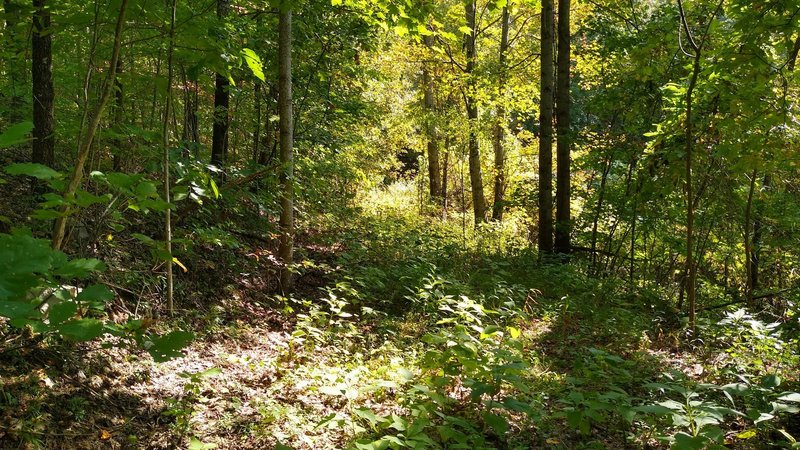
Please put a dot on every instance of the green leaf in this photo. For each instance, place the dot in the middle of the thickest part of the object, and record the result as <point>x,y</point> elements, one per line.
<point>169,346</point>
<point>80,268</point>
<point>771,381</point>
<point>15,309</point>
<point>61,312</point>
<point>34,170</point>
<point>81,329</point>
<point>684,441</point>
<point>253,62</point>
<point>498,423</point>
<point>95,293</point>
<point>15,134</point>
<point>790,397</point>
<point>197,444</point>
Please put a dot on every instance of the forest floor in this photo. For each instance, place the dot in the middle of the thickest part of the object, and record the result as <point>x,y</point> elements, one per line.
<point>376,350</point>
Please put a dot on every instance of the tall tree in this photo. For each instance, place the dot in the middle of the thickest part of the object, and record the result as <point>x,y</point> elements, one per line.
<point>60,226</point>
<point>475,176</point>
<point>165,139</point>
<point>43,95</point>
<point>286,249</point>
<point>13,64</point>
<point>434,165</point>
<point>219,139</point>
<point>546,130</point>
<point>696,46</point>
<point>500,123</point>
<point>563,226</point>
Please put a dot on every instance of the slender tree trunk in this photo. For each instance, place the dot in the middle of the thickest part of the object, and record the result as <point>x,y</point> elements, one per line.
<point>119,118</point>
<point>257,124</point>
<point>165,134</point>
<point>219,141</point>
<point>563,220</point>
<point>43,95</point>
<point>434,165</point>
<point>758,235</point>
<point>14,65</point>
<point>60,225</point>
<point>499,127</point>
<point>191,131</point>
<point>286,249</point>
<point>599,210</point>
<point>475,175</point>
<point>270,140</point>
<point>546,131</point>
<point>697,47</point>
<point>748,240</point>
<point>445,169</point>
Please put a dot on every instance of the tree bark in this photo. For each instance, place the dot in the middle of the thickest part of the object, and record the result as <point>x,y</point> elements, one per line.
<point>748,240</point>
<point>219,140</point>
<point>165,132</point>
<point>546,131</point>
<point>286,249</point>
<point>119,117</point>
<point>14,65</point>
<point>43,95</point>
<point>563,220</point>
<point>60,225</point>
<point>475,175</point>
<point>499,127</point>
<point>434,165</point>
<point>257,124</point>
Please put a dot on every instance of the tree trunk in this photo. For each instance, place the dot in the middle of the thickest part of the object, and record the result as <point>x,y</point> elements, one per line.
<point>499,127</point>
<point>748,240</point>
<point>599,211</point>
<point>191,133</point>
<point>434,166</point>
<point>286,249</point>
<point>219,140</point>
<point>60,225</point>
<point>42,70</point>
<point>475,176</point>
<point>563,225</point>
<point>119,118</point>
<point>445,170</point>
<point>546,131</point>
<point>165,132</point>
<point>257,124</point>
<point>14,65</point>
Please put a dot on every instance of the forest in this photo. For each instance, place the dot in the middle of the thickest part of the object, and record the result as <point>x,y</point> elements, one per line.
<point>399,224</point>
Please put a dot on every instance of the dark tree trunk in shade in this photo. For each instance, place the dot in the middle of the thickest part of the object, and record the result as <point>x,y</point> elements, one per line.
<point>219,139</point>
<point>563,219</point>
<point>546,130</point>
<point>14,65</point>
<point>43,96</point>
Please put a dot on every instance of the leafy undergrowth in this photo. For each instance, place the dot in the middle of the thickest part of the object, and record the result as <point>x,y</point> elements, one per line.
<point>422,336</point>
